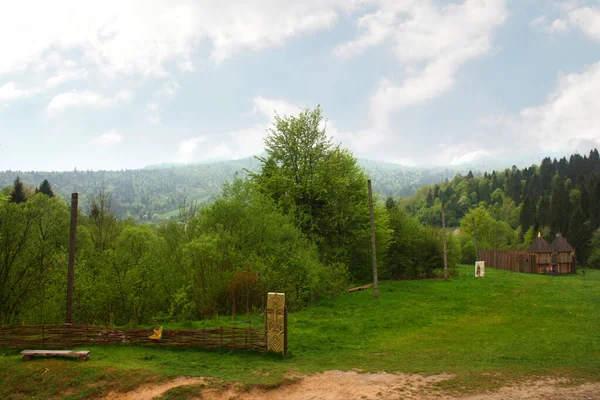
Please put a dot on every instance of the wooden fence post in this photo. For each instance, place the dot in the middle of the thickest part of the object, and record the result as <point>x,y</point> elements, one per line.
<point>445,245</point>
<point>72,246</point>
<point>373,244</point>
<point>285,331</point>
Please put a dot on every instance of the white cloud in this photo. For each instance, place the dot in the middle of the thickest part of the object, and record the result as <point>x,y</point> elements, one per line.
<point>10,91</point>
<point>360,141</point>
<point>460,153</point>
<point>431,41</point>
<point>154,120</point>
<point>141,37</point>
<point>112,41</point>
<point>169,89</point>
<point>33,85</point>
<point>187,148</point>
<point>86,98</point>
<point>469,157</point>
<point>400,160</point>
<point>567,121</point>
<point>376,28</point>
<point>108,138</point>
<point>160,97</point>
<point>266,23</point>
<point>65,75</point>
<point>270,107</point>
<point>559,26</point>
<point>539,23</point>
<point>570,116</point>
<point>587,19</point>
<point>249,141</point>
<point>154,111</point>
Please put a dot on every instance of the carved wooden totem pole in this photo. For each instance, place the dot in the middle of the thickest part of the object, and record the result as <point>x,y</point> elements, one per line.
<point>276,323</point>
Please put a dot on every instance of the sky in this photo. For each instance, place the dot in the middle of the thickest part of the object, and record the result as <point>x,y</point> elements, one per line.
<point>122,84</point>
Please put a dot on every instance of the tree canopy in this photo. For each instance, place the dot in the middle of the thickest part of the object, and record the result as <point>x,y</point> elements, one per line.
<point>322,188</point>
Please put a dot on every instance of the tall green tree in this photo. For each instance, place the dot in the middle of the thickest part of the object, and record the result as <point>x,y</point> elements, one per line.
<point>323,188</point>
<point>45,188</point>
<point>18,192</point>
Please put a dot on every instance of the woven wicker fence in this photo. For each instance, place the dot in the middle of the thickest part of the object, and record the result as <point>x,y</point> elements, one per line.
<point>66,336</point>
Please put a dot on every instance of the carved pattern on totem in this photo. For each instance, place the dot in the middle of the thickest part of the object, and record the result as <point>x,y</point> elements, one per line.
<point>275,322</point>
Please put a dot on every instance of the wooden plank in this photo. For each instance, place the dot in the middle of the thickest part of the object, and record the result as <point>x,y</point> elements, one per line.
<point>81,355</point>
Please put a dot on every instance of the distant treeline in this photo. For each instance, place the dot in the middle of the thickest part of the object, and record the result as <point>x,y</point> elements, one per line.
<point>154,194</point>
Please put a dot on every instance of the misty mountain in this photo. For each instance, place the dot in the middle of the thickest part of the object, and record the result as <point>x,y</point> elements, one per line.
<point>156,191</point>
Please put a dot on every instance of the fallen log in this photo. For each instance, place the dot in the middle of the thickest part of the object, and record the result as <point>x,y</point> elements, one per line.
<point>356,289</point>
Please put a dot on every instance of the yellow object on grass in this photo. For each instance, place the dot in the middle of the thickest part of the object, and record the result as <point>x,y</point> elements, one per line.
<point>157,335</point>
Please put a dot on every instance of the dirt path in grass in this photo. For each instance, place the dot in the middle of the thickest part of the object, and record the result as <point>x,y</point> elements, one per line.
<point>147,392</point>
<point>350,385</point>
<point>338,385</point>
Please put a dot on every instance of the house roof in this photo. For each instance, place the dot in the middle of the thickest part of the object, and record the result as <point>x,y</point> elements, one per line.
<point>560,245</point>
<point>539,245</point>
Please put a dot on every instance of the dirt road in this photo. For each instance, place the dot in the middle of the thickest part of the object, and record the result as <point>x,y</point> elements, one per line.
<point>350,385</point>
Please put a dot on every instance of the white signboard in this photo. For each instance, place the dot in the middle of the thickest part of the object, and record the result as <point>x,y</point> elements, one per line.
<point>479,269</point>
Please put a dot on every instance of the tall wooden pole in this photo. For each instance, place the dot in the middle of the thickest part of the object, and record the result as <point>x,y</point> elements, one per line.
<point>373,246</point>
<point>444,242</point>
<point>72,247</point>
<point>475,238</point>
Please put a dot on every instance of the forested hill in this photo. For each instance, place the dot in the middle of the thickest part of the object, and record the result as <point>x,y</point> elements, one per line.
<point>156,192</point>
<point>558,196</point>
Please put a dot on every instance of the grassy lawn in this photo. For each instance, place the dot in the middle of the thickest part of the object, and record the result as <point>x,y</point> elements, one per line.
<point>508,326</point>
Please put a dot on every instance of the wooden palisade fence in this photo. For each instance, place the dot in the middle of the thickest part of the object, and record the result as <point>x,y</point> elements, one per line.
<point>525,262</point>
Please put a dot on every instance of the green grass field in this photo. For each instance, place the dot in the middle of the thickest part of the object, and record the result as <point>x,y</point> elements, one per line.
<point>509,326</point>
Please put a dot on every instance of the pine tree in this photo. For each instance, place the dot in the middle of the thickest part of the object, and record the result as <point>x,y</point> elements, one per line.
<point>594,161</point>
<point>544,214</point>
<point>513,185</point>
<point>45,188</point>
<point>580,233</point>
<point>429,199</point>
<point>546,173</point>
<point>495,182</point>
<point>528,211</point>
<point>18,193</point>
<point>561,210</point>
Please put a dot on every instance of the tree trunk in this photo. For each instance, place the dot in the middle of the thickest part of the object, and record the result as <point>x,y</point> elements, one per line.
<point>373,245</point>
<point>475,238</point>
<point>445,244</point>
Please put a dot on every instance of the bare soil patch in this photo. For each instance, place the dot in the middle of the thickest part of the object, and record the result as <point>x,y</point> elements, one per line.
<point>353,385</point>
<point>147,392</point>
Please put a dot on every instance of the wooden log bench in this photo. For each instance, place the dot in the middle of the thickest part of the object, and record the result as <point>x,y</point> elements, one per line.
<point>81,355</point>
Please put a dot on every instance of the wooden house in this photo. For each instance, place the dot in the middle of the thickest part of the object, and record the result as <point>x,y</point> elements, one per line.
<point>541,255</point>
<point>563,256</point>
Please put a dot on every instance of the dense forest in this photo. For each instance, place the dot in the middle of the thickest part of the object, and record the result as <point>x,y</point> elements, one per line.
<point>154,194</point>
<point>299,223</point>
<point>508,208</point>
